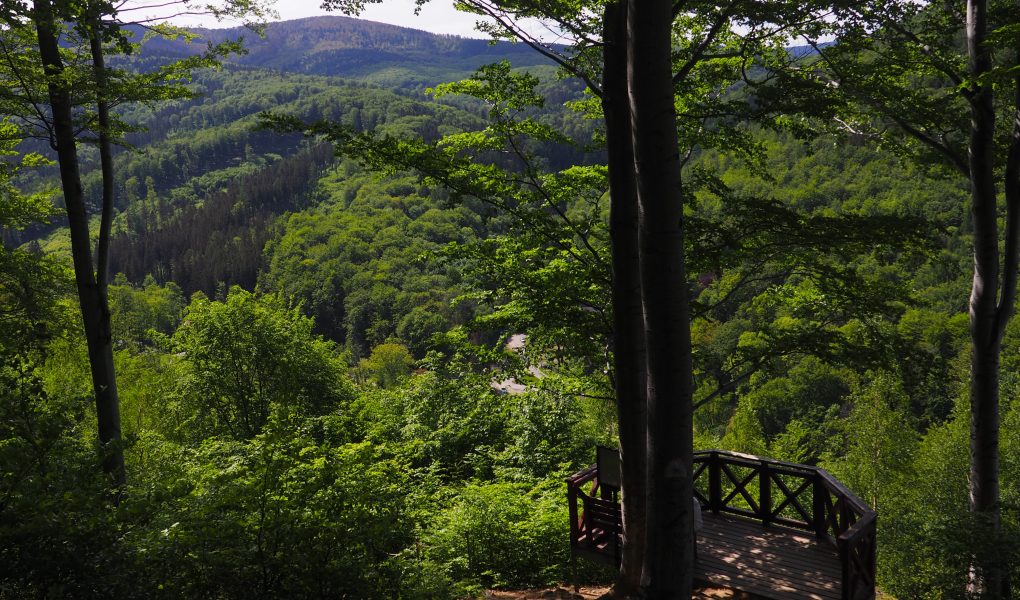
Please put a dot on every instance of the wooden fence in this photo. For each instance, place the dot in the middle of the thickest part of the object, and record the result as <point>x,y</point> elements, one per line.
<point>771,492</point>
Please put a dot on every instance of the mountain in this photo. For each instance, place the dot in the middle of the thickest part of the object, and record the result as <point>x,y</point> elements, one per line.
<point>372,52</point>
<point>200,195</point>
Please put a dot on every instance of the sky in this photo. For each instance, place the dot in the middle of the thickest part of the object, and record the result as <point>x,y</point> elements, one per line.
<point>437,16</point>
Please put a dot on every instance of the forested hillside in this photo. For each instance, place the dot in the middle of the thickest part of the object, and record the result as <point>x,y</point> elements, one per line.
<point>315,266</point>
<point>386,55</point>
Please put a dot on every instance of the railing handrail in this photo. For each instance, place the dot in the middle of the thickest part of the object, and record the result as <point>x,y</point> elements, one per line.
<point>585,474</point>
<point>833,508</point>
<point>835,514</point>
<point>834,485</point>
<point>860,528</point>
<point>755,459</point>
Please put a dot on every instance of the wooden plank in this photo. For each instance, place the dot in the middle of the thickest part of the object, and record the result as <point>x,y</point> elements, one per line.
<point>762,555</point>
<point>744,576</point>
<point>737,554</point>
<point>775,562</point>
<point>756,548</point>
<point>767,586</point>
<point>770,589</point>
<point>811,575</point>
<point>777,536</point>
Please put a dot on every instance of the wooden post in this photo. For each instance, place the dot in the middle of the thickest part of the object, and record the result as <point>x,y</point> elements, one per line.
<point>714,483</point>
<point>847,592</point>
<point>572,507</point>
<point>818,495</point>
<point>765,493</point>
<point>873,554</point>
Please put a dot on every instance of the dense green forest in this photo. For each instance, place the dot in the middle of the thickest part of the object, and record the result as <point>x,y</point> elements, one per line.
<point>309,332</point>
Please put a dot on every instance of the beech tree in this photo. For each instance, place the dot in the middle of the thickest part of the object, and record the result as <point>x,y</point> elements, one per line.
<point>941,82</point>
<point>637,58</point>
<point>63,92</point>
<point>659,72</point>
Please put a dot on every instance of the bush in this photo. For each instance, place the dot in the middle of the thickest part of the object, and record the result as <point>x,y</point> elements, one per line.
<point>502,534</point>
<point>244,358</point>
<point>279,516</point>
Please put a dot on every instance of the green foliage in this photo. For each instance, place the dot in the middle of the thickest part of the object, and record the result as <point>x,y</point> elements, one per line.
<point>503,534</point>
<point>147,386</point>
<point>360,264</point>
<point>57,533</point>
<point>922,553</point>
<point>829,282</point>
<point>29,281</point>
<point>281,515</point>
<point>141,314</point>
<point>808,392</point>
<point>448,425</point>
<point>247,357</point>
<point>548,274</point>
<point>388,364</point>
<point>876,443</point>
<point>547,434</point>
<point>56,529</point>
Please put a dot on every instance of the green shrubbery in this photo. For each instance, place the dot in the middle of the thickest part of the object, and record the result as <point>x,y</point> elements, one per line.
<point>427,487</point>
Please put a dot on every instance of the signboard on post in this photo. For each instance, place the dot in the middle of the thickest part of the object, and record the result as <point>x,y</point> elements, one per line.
<point>608,461</point>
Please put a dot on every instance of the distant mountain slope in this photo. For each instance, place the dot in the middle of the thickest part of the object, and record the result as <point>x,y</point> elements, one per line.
<point>374,52</point>
<point>200,190</point>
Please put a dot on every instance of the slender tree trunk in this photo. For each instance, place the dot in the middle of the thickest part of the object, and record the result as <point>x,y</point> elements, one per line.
<point>91,296</point>
<point>105,161</point>
<point>628,320</point>
<point>669,554</point>
<point>988,317</point>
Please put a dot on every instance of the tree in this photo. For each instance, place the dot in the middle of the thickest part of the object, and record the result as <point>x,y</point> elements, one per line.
<point>247,357</point>
<point>950,81</point>
<point>27,280</point>
<point>389,363</point>
<point>77,100</point>
<point>704,58</point>
<point>90,281</point>
<point>652,54</point>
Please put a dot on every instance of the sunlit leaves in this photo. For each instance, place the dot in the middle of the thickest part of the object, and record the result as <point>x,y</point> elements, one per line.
<point>247,357</point>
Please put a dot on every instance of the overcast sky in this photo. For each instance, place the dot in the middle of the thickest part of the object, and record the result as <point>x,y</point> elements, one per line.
<point>438,16</point>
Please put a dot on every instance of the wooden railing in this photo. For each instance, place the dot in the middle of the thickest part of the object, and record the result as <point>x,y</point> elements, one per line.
<point>595,529</point>
<point>768,491</point>
<point>797,496</point>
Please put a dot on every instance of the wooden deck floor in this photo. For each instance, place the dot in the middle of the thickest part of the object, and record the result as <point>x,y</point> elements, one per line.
<point>775,563</point>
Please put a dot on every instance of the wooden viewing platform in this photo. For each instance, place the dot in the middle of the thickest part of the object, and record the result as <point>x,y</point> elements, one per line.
<point>773,529</point>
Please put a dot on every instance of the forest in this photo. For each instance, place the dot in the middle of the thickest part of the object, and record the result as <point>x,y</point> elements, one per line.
<point>258,288</point>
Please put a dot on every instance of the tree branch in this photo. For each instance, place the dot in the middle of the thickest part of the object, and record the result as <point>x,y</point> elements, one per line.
<point>697,54</point>
<point>512,28</point>
<point>1007,301</point>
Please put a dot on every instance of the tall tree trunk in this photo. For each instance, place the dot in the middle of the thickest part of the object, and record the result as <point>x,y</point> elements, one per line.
<point>91,297</point>
<point>988,578</point>
<point>669,553</point>
<point>628,320</point>
<point>105,161</point>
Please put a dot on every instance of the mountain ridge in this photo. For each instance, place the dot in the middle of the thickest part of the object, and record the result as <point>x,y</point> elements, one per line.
<point>381,53</point>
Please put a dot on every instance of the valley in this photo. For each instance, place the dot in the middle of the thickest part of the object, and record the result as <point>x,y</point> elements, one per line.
<point>319,249</point>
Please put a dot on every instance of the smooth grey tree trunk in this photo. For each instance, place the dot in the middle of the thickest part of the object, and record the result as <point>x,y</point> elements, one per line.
<point>669,553</point>
<point>987,573</point>
<point>628,319</point>
<point>94,309</point>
